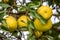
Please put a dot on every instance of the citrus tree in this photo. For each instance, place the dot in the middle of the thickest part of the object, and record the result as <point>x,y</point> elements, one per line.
<point>39,19</point>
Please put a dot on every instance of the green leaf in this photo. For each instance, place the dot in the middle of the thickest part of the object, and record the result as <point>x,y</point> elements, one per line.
<point>1,11</point>
<point>4,5</point>
<point>56,26</point>
<point>2,35</point>
<point>33,5</point>
<point>35,0</point>
<point>31,37</point>
<point>6,39</point>
<point>41,18</point>
<point>50,2</point>
<point>22,9</point>
<point>23,21</point>
<point>4,25</point>
<point>58,13</point>
<point>23,29</point>
<point>47,37</point>
<point>52,33</point>
<point>57,2</point>
<point>30,24</point>
<point>1,15</point>
<point>14,33</point>
<point>34,14</point>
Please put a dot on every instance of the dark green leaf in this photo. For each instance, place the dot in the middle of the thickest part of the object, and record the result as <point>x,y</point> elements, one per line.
<point>56,26</point>
<point>11,2</point>
<point>14,33</point>
<point>57,2</point>
<point>58,13</point>
<point>22,21</point>
<point>50,2</point>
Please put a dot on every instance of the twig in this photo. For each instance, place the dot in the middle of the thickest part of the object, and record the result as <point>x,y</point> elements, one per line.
<point>24,1</point>
<point>19,37</point>
<point>14,3</point>
<point>56,16</point>
<point>20,2</point>
<point>41,2</point>
<point>53,1</point>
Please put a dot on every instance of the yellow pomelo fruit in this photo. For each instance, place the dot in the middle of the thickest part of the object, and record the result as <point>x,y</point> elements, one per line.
<point>5,1</point>
<point>11,23</point>
<point>45,12</point>
<point>42,27</point>
<point>23,21</point>
<point>38,34</point>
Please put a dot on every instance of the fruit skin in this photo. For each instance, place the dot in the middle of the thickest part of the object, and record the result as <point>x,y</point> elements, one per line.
<point>38,34</point>
<point>45,12</point>
<point>23,21</point>
<point>5,1</point>
<point>11,23</point>
<point>42,27</point>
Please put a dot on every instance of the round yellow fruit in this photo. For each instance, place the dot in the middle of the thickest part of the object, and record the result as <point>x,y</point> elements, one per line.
<point>45,12</point>
<point>42,27</point>
<point>38,34</point>
<point>11,23</point>
<point>5,1</point>
<point>23,21</point>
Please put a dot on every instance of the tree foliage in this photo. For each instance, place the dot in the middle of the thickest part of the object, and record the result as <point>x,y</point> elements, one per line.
<point>29,9</point>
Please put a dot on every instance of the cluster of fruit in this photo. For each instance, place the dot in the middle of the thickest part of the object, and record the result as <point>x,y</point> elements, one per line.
<point>22,21</point>
<point>46,13</point>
